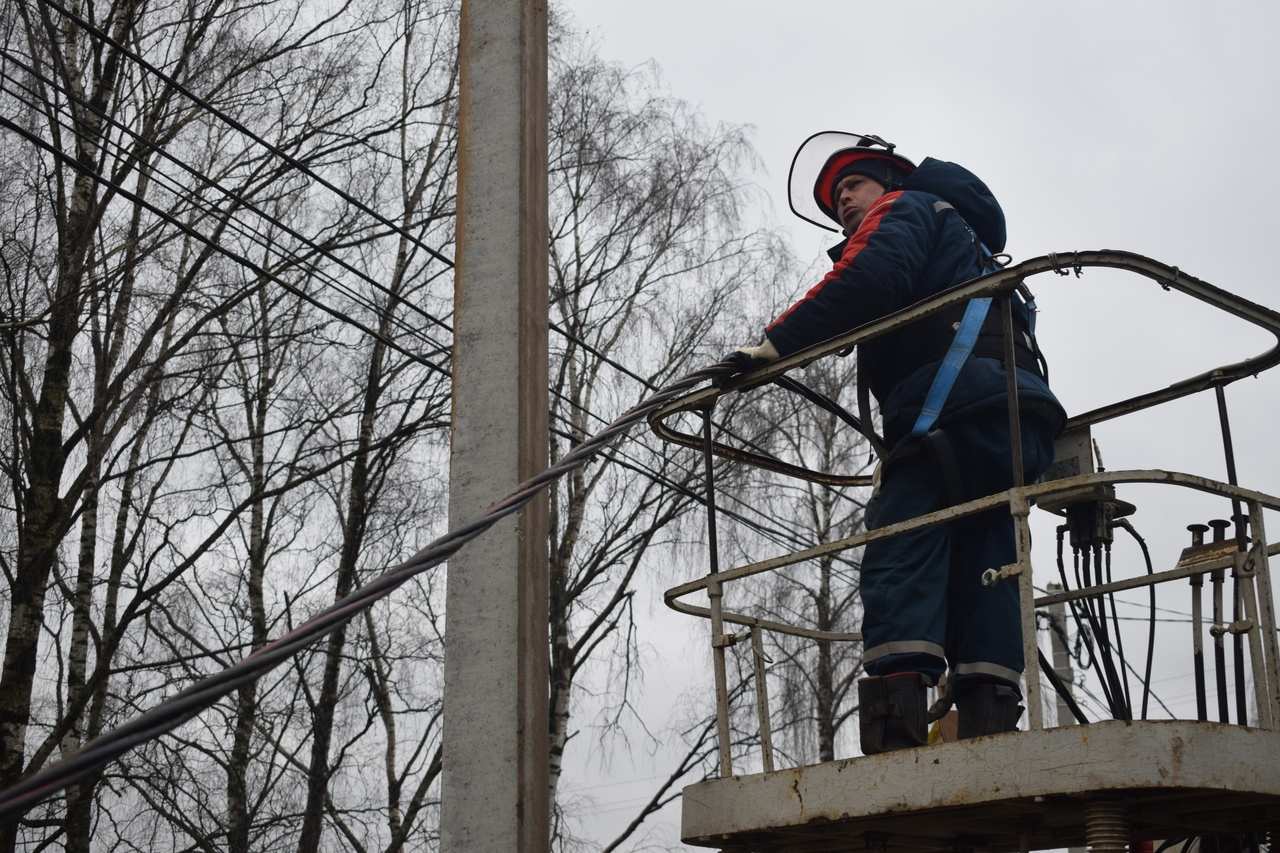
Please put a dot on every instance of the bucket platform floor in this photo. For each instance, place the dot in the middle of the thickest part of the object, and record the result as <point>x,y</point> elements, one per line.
<point>1015,791</point>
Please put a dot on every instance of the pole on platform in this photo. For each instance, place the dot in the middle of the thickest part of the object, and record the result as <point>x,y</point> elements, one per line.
<point>495,788</point>
<point>1062,664</point>
<point>1061,654</point>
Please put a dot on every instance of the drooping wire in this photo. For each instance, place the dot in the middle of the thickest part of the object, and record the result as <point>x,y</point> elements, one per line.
<point>204,693</point>
<point>1124,524</point>
<point>437,348</point>
<point>1099,648</point>
<point>1115,621</point>
<point>102,36</point>
<point>254,236</point>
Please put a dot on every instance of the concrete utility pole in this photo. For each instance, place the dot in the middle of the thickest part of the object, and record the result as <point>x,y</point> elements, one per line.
<point>495,794</point>
<point>1061,655</point>
<point>1062,664</point>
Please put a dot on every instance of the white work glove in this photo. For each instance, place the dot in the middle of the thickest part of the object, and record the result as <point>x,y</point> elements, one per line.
<point>746,358</point>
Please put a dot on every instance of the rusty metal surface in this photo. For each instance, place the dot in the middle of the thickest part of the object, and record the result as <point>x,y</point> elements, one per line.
<point>1037,492</point>
<point>1172,777</point>
<point>1166,276</point>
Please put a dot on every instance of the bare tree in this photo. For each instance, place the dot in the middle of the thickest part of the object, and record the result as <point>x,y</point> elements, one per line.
<point>167,373</point>
<point>226,399</point>
<point>648,251</point>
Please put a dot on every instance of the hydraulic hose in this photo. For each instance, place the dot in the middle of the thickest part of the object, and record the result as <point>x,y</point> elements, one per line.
<point>201,695</point>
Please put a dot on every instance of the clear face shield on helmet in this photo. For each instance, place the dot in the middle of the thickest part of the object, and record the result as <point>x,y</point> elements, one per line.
<point>816,159</point>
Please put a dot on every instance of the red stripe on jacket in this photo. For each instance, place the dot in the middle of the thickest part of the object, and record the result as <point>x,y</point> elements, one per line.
<point>858,242</point>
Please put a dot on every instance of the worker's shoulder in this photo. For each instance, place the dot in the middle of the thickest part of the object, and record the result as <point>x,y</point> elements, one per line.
<point>917,202</point>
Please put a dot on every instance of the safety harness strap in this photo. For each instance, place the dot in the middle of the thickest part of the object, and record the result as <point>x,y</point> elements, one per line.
<point>975,313</point>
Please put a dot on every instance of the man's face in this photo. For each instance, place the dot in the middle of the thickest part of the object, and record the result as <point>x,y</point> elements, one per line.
<point>853,196</point>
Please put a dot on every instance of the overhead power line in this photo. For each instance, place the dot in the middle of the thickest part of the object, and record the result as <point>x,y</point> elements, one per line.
<point>101,35</point>
<point>192,196</point>
<point>204,693</point>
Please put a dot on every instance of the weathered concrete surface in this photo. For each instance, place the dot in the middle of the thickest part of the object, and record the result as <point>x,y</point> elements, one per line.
<point>495,721</point>
<point>1174,777</point>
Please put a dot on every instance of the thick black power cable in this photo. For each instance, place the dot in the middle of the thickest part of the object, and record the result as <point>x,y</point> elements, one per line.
<point>101,35</point>
<point>192,700</point>
<point>257,237</point>
<point>1099,650</point>
<point>781,535</point>
<point>1062,690</point>
<point>1115,621</point>
<point>1151,633</point>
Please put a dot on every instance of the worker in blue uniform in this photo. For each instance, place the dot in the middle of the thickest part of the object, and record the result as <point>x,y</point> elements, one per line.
<point>911,232</point>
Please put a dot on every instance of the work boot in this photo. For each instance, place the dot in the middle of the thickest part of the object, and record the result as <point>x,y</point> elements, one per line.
<point>987,708</point>
<point>891,712</point>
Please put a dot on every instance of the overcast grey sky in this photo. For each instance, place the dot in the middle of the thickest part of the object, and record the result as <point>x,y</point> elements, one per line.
<point>1140,126</point>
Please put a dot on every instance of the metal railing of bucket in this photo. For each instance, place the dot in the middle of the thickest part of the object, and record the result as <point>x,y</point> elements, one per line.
<point>1248,562</point>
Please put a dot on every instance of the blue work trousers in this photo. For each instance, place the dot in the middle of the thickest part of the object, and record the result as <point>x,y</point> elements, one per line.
<point>923,599</point>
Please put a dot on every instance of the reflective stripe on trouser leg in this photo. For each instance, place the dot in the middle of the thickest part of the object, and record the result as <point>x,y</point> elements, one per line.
<point>903,647</point>
<point>904,578</point>
<point>985,668</point>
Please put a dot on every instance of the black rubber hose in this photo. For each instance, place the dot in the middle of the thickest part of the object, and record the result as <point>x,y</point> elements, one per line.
<point>1061,690</point>
<point>1151,621</point>
<point>824,402</point>
<point>1115,621</point>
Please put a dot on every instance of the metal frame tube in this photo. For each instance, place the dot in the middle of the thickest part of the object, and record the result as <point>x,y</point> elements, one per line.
<point>1027,611</point>
<point>718,644</point>
<point>1237,641</point>
<point>1267,616</point>
<point>1020,510</point>
<point>715,592</point>
<point>1197,645</point>
<point>762,700</point>
<point>1002,282</point>
<point>1256,655</point>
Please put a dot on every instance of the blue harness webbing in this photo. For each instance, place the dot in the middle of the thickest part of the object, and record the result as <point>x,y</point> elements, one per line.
<point>975,314</point>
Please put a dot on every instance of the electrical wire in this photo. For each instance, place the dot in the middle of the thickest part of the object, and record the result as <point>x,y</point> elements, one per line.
<point>257,269</point>
<point>204,693</point>
<point>775,535</point>
<point>102,36</point>
<point>191,195</point>
<point>193,699</point>
<point>1107,678</point>
<point>1124,524</point>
